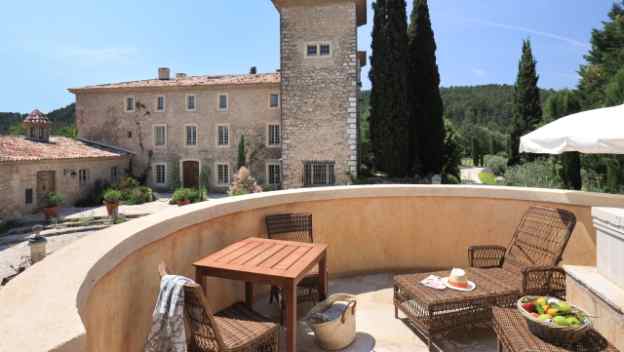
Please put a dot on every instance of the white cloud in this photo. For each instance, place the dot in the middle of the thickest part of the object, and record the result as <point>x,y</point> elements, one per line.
<point>554,36</point>
<point>479,72</point>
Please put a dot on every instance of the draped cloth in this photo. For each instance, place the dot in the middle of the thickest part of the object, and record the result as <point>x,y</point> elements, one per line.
<point>168,333</point>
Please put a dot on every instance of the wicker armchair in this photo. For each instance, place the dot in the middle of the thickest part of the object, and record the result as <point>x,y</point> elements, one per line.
<point>294,227</point>
<point>234,329</point>
<point>535,250</point>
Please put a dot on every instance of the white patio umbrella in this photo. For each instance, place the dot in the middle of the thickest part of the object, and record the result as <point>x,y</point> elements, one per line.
<point>599,131</point>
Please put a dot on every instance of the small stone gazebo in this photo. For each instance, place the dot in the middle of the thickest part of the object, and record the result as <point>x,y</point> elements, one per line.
<point>37,127</point>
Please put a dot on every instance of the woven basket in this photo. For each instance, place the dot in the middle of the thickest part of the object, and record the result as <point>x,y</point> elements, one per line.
<point>335,334</point>
<point>558,335</point>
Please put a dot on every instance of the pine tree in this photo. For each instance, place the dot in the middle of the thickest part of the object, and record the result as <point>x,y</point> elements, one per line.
<point>604,60</point>
<point>558,105</point>
<point>527,110</point>
<point>389,108</point>
<point>427,132</point>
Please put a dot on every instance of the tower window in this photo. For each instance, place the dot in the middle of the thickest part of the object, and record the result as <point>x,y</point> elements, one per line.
<point>325,49</point>
<point>312,50</point>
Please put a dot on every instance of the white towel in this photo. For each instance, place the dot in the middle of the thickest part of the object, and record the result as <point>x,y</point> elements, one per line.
<point>168,333</point>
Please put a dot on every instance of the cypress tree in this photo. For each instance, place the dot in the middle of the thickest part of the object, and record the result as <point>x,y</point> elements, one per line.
<point>241,153</point>
<point>375,75</point>
<point>389,109</point>
<point>427,133</point>
<point>558,105</point>
<point>527,110</point>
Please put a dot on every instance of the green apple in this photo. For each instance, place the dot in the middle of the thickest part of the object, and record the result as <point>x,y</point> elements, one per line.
<point>561,321</point>
<point>544,317</point>
<point>564,307</point>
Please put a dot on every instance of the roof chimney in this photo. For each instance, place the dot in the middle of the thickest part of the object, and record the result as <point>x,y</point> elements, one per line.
<point>180,75</point>
<point>253,70</point>
<point>163,73</point>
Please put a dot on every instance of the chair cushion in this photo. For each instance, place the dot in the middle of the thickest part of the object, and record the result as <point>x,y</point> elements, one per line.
<point>240,326</point>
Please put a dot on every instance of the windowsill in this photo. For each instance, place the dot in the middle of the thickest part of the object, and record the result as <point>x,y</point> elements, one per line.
<point>273,145</point>
<point>223,146</point>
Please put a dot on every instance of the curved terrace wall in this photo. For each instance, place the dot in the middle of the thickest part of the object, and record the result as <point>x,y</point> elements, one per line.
<point>97,294</point>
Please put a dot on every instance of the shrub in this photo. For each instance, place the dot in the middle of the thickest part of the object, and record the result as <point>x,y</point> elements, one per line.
<point>95,197</point>
<point>186,194</point>
<point>139,195</point>
<point>539,173</point>
<point>112,195</point>
<point>243,183</point>
<point>450,180</point>
<point>496,163</point>
<point>128,183</point>
<point>487,178</point>
<point>54,199</point>
<point>180,195</point>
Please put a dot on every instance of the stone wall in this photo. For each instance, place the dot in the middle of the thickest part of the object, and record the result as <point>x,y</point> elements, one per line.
<point>319,95</point>
<point>16,177</point>
<point>249,113</point>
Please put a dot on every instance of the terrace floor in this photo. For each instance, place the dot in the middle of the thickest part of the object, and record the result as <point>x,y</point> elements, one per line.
<point>377,329</point>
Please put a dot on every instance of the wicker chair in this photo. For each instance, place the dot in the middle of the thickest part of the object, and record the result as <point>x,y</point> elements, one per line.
<point>294,227</point>
<point>536,248</point>
<point>234,329</point>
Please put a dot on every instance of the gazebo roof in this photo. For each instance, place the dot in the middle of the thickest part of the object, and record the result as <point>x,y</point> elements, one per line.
<point>36,117</point>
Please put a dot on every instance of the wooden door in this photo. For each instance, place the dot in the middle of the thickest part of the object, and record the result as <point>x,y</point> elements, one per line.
<point>190,174</point>
<point>46,183</point>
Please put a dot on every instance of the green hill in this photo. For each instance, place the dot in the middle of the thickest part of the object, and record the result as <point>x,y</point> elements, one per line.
<point>63,121</point>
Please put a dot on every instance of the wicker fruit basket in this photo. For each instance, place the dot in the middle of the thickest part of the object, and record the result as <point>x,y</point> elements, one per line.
<point>567,323</point>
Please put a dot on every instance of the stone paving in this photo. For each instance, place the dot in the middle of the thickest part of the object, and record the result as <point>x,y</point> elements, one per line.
<point>377,329</point>
<point>14,255</point>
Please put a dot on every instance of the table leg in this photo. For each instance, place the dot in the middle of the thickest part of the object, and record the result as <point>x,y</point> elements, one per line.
<point>323,277</point>
<point>249,294</point>
<point>290,295</point>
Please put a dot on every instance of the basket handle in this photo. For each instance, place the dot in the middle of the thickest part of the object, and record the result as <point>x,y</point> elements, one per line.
<point>352,304</point>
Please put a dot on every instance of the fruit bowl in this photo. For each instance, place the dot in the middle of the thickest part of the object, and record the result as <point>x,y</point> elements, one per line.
<point>554,320</point>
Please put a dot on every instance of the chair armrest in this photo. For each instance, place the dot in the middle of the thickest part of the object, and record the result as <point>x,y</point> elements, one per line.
<point>486,256</point>
<point>544,281</point>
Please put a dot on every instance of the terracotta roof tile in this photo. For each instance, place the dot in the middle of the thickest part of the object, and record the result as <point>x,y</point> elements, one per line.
<point>189,81</point>
<point>14,148</point>
<point>36,117</point>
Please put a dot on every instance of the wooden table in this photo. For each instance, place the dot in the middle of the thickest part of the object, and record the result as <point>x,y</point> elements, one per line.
<point>264,261</point>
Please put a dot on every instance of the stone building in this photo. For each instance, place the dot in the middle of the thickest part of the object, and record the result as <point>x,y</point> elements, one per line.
<point>299,124</point>
<point>34,165</point>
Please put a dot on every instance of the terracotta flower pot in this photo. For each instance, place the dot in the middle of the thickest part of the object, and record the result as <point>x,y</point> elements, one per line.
<point>51,212</point>
<point>183,202</point>
<point>111,207</point>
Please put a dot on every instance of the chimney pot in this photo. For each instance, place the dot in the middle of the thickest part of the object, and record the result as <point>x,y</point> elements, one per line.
<point>180,75</point>
<point>253,70</point>
<point>163,73</point>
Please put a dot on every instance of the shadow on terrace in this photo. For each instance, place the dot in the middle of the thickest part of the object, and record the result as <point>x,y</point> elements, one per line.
<point>99,293</point>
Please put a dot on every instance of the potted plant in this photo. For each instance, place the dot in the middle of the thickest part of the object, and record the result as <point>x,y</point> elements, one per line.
<point>111,200</point>
<point>182,196</point>
<point>53,201</point>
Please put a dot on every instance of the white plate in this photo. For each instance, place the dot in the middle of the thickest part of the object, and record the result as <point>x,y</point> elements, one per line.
<point>471,285</point>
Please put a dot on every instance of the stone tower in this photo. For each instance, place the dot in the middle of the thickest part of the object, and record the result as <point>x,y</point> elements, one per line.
<point>37,126</point>
<point>320,83</point>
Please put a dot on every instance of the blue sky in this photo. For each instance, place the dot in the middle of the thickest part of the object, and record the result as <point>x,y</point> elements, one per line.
<point>48,46</point>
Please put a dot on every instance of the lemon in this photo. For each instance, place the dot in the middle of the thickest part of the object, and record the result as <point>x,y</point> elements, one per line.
<point>552,311</point>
